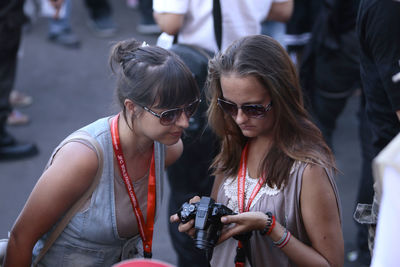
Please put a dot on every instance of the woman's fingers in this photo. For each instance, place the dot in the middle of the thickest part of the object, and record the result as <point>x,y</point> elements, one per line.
<point>174,218</point>
<point>230,219</point>
<point>229,232</point>
<point>243,223</point>
<point>184,227</point>
<point>194,199</point>
<point>191,232</point>
<point>251,220</point>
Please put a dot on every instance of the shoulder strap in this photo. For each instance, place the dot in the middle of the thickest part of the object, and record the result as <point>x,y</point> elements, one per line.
<point>77,136</point>
<point>217,22</point>
<point>217,17</point>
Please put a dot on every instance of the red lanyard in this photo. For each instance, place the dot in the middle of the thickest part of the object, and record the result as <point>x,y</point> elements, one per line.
<point>242,183</point>
<point>241,190</point>
<point>145,230</point>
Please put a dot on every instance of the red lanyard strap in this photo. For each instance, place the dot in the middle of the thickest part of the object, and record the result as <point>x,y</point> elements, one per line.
<point>242,183</point>
<point>240,259</point>
<point>145,229</point>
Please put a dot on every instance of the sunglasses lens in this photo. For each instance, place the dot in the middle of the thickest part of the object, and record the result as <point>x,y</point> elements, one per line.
<point>191,109</point>
<point>229,108</point>
<point>255,111</point>
<point>169,117</point>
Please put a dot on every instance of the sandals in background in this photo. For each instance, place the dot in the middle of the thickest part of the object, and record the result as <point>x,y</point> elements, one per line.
<point>16,117</point>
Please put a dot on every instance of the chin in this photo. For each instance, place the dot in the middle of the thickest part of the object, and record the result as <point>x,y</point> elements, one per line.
<point>170,141</point>
<point>249,134</point>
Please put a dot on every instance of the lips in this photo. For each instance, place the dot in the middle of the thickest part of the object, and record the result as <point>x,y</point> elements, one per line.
<point>246,127</point>
<point>176,134</point>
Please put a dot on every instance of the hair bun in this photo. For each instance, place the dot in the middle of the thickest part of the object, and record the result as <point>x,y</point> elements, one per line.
<point>124,51</point>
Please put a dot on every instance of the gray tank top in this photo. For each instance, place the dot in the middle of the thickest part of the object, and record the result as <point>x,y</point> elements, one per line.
<point>284,204</point>
<point>92,237</point>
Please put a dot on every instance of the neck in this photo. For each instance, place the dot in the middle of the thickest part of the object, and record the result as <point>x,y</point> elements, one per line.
<point>260,145</point>
<point>133,144</point>
<point>258,148</point>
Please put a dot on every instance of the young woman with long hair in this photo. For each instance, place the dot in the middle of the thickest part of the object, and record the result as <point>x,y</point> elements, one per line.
<point>274,168</point>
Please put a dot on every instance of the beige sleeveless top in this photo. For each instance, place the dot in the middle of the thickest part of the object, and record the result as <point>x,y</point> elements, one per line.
<point>126,219</point>
<point>283,203</point>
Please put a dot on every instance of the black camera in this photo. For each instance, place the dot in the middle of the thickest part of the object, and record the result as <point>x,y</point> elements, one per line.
<point>207,215</point>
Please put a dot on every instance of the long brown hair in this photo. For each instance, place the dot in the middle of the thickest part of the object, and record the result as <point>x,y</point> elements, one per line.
<point>296,138</point>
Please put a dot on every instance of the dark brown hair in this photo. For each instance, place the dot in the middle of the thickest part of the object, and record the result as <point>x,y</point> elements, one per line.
<point>295,136</point>
<point>150,74</point>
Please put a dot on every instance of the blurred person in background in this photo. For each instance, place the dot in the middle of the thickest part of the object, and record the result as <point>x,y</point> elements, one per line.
<point>378,29</point>
<point>299,27</point>
<point>387,187</point>
<point>60,30</point>
<point>147,24</point>
<point>330,75</point>
<point>12,18</point>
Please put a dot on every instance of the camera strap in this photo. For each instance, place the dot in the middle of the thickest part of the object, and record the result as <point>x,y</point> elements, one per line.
<point>241,254</point>
<point>145,229</point>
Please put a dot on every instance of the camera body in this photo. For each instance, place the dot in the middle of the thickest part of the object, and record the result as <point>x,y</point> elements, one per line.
<point>207,215</point>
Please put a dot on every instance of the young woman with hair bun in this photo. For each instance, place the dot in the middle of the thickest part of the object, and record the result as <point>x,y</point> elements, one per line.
<point>157,94</point>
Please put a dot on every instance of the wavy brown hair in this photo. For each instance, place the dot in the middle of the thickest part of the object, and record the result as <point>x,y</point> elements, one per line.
<point>296,138</point>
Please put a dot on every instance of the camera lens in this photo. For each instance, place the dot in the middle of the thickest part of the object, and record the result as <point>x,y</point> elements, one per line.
<point>207,238</point>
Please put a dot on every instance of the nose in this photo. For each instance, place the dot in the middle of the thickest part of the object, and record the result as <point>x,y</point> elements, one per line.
<point>240,117</point>
<point>183,121</point>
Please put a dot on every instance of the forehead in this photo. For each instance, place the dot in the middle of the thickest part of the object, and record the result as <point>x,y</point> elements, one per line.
<point>243,89</point>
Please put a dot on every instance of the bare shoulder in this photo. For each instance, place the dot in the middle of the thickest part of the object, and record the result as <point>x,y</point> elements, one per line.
<point>68,177</point>
<point>315,178</point>
<point>317,193</point>
<point>75,165</point>
<point>59,187</point>
<point>173,152</point>
<point>321,215</point>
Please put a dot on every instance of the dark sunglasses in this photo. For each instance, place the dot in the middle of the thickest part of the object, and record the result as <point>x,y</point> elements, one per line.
<point>170,116</point>
<point>250,110</point>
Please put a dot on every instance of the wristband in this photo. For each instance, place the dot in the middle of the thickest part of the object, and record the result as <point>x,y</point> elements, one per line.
<point>270,224</point>
<point>284,239</point>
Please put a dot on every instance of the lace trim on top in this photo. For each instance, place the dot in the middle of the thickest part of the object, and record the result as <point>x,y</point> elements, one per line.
<point>231,187</point>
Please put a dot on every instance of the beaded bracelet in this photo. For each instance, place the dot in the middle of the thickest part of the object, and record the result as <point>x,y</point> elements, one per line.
<point>270,224</point>
<point>284,239</point>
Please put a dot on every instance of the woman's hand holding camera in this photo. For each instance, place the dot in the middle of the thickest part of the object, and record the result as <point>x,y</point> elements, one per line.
<point>242,223</point>
<point>188,227</point>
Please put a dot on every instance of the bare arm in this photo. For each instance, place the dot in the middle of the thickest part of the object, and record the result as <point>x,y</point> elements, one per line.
<point>398,114</point>
<point>321,219</point>
<point>281,11</point>
<point>169,22</point>
<point>59,187</point>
